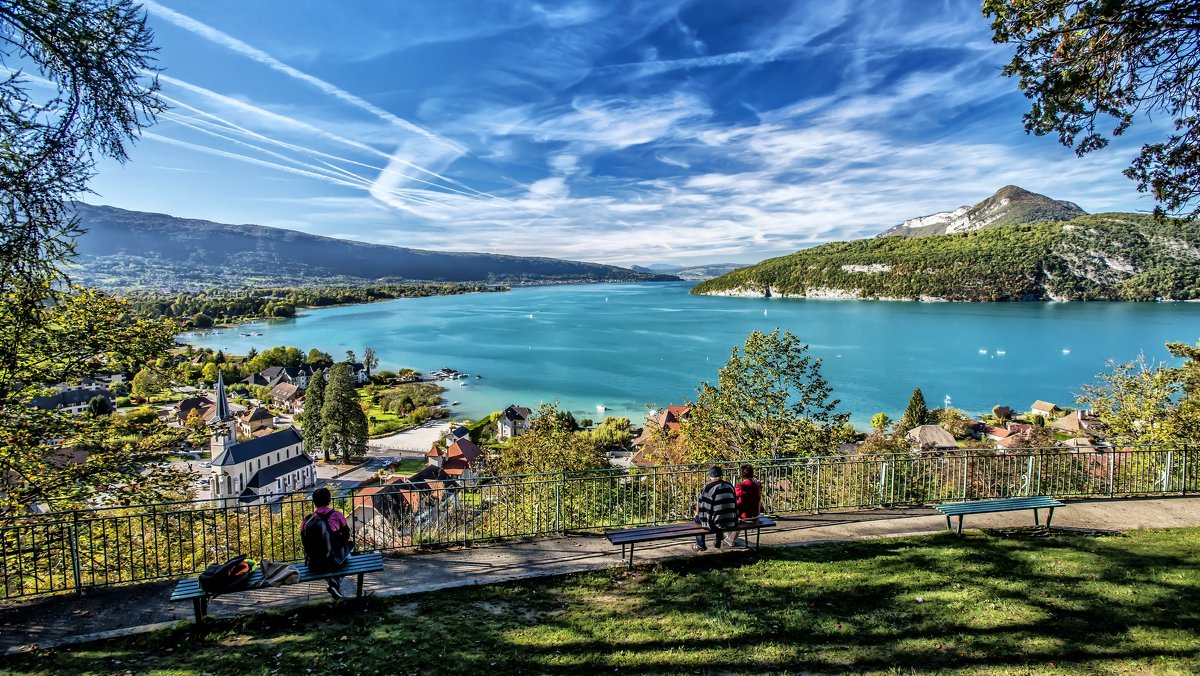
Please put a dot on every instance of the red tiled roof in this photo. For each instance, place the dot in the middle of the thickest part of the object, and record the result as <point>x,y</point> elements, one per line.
<point>466,449</point>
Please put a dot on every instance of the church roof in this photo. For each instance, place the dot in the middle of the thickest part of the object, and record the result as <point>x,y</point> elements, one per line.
<point>222,402</point>
<point>249,450</point>
<point>266,476</point>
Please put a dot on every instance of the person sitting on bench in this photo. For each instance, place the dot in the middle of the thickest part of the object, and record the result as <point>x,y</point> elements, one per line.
<point>716,509</point>
<point>325,535</point>
<point>749,498</point>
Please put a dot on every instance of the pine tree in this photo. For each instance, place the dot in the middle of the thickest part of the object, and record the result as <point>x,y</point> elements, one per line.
<point>916,414</point>
<point>314,404</point>
<point>343,423</point>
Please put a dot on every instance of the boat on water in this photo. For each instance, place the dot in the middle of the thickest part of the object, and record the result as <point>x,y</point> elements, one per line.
<point>478,377</point>
<point>454,403</point>
<point>462,384</point>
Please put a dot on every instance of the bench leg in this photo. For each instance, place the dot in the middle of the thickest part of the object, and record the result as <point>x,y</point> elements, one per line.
<point>949,526</point>
<point>360,583</point>
<point>1036,522</point>
<point>1049,517</point>
<point>200,606</point>
<point>629,566</point>
<point>960,516</point>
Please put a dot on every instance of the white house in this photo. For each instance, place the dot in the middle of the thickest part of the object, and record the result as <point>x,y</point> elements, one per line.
<point>259,470</point>
<point>513,422</point>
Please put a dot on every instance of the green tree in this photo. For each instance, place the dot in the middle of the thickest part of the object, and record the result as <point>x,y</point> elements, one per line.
<point>1137,402</point>
<point>202,321</point>
<point>145,384</point>
<point>1088,63</point>
<point>1003,413</point>
<point>209,372</point>
<point>99,405</point>
<point>343,423</point>
<point>770,401</point>
<point>550,445</point>
<point>612,434</point>
<point>916,413</point>
<point>880,422</point>
<point>958,424</point>
<point>314,407</point>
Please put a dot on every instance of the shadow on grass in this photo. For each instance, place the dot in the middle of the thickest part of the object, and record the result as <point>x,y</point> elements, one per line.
<point>1005,600</point>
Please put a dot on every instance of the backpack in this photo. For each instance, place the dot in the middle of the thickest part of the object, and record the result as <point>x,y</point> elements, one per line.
<point>231,576</point>
<point>322,547</point>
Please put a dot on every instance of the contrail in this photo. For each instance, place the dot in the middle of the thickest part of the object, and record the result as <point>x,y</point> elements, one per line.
<point>228,41</point>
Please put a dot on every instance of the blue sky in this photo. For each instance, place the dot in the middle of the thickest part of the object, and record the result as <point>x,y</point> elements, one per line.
<point>601,130</point>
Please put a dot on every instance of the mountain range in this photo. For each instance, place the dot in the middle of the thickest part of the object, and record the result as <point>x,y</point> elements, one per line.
<point>690,273</point>
<point>990,252</point>
<point>123,249</point>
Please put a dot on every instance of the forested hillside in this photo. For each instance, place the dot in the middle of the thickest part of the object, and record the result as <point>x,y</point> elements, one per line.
<point>1095,257</point>
<point>130,250</point>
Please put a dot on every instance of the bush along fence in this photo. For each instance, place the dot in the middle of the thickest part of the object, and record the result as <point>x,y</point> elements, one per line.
<point>72,551</point>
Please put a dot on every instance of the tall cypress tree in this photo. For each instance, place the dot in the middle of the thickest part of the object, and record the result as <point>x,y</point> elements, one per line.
<point>343,423</point>
<point>314,404</point>
<point>916,414</point>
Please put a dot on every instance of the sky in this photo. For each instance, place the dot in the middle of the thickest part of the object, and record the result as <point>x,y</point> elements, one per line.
<point>611,131</point>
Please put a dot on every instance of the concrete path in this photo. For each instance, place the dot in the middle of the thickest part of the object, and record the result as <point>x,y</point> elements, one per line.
<point>103,613</point>
<point>416,440</point>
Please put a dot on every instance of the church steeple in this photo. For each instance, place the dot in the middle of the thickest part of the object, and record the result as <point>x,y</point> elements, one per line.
<point>224,427</point>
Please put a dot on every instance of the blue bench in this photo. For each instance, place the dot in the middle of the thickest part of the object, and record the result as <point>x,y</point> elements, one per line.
<point>961,509</point>
<point>628,537</point>
<point>357,564</point>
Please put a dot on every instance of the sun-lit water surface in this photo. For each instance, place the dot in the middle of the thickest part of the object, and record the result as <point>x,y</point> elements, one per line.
<point>629,346</point>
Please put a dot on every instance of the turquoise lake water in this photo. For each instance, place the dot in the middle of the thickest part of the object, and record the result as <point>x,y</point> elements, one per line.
<point>629,346</point>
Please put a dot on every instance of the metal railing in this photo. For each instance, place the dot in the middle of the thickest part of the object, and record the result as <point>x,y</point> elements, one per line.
<point>72,551</point>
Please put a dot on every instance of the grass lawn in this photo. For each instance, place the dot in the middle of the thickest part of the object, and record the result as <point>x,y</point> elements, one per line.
<point>997,602</point>
<point>410,466</point>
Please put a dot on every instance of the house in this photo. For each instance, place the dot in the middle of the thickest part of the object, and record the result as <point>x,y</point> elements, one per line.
<point>256,471</point>
<point>1080,445</point>
<point>462,459</point>
<point>359,372</point>
<point>459,432</point>
<point>256,420</point>
<point>513,422</point>
<point>73,398</point>
<point>1079,422</point>
<point>992,432</point>
<point>256,379</point>
<point>390,514</point>
<point>931,437</point>
<point>1044,409</point>
<point>287,397</point>
<point>669,419</point>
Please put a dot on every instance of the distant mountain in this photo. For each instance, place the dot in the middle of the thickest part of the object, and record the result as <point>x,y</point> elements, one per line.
<point>132,249</point>
<point>1009,206</point>
<point>1094,257</point>
<point>690,273</point>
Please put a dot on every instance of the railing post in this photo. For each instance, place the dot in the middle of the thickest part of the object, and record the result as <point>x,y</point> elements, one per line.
<point>1183,488</point>
<point>817,496</point>
<point>1166,475</point>
<point>74,539</point>
<point>1112,465</point>
<point>558,502</point>
<point>882,480</point>
<point>966,469</point>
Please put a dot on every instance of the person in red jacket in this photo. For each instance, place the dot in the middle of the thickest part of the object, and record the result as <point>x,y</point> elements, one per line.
<point>749,494</point>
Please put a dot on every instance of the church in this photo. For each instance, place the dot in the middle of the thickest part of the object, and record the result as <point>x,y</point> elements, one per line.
<point>257,471</point>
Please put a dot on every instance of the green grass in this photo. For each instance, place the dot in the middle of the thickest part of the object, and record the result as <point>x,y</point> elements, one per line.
<point>410,466</point>
<point>996,602</point>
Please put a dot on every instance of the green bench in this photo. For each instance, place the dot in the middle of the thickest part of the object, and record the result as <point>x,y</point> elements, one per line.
<point>961,509</point>
<point>357,564</point>
<point>628,537</point>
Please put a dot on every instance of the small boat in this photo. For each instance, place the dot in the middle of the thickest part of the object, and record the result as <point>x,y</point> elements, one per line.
<point>1001,352</point>
<point>1066,351</point>
<point>454,403</point>
<point>983,352</point>
<point>462,384</point>
<point>601,408</point>
<point>478,377</point>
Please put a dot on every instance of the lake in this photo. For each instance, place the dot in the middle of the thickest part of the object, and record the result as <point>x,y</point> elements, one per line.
<point>629,346</point>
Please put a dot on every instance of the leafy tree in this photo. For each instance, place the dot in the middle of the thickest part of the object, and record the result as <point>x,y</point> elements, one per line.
<point>314,408</point>
<point>954,421</point>
<point>612,434</point>
<point>202,321</point>
<point>370,360</point>
<point>880,421</point>
<point>319,359</point>
<point>916,413</point>
<point>98,406</point>
<point>93,55</point>
<point>1039,420</point>
<point>1003,413</point>
<point>145,384</point>
<point>1137,402</point>
<point>209,373</point>
<point>1086,63</point>
<point>769,401</point>
<point>550,445</point>
<point>343,422</point>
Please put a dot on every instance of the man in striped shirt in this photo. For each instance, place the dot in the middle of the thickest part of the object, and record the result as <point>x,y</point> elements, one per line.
<point>716,509</point>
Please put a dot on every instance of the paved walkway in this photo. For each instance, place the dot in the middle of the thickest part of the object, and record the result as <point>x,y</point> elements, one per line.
<point>122,610</point>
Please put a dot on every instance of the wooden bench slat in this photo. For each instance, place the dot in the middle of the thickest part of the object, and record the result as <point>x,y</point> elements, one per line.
<point>632,536</point>
<point>369,562</point>
<point>1035,503</point>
